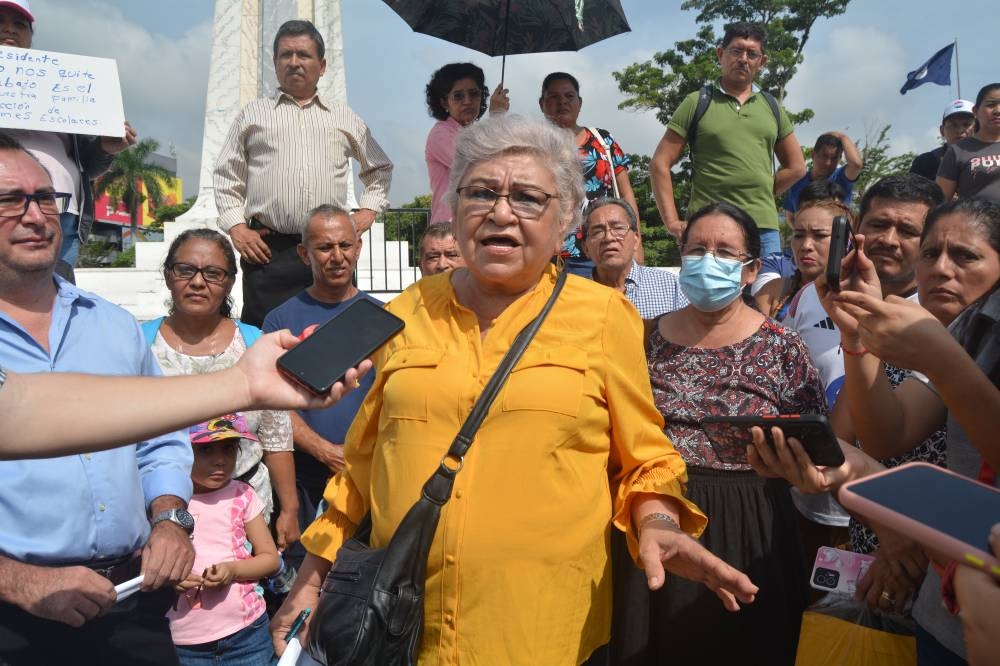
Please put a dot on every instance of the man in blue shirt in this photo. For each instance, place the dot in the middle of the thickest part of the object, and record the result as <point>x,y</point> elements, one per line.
<point>610,238</point>
<point>829,148</point>
<point>73,527</point>
<point>330,248</point>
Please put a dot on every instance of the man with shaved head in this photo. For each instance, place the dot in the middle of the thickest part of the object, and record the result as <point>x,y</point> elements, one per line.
<point>330,248</point>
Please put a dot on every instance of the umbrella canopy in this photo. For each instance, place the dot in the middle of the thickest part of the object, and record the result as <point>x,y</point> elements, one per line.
<point>510,27</point>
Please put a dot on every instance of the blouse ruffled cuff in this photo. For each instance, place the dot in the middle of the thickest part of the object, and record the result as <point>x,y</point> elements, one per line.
<point>661,480</point>
<point>334,527</point>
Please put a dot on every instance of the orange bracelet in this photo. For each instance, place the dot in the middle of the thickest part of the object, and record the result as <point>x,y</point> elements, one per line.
<point>853,353</point>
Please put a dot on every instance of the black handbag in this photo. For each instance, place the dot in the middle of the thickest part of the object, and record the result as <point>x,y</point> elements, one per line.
<point>371,610</point>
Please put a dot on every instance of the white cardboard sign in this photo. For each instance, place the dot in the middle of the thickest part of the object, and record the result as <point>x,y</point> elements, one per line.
<point>60,92</point>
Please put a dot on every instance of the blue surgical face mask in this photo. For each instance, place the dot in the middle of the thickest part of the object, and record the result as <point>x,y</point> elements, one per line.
<point>710,283</point>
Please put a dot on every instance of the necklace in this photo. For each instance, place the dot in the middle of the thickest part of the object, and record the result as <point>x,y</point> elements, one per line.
<point>211,347</point>
<point>198,352</point>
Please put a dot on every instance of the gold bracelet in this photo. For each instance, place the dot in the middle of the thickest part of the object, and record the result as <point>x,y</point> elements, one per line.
<point>654,518</point>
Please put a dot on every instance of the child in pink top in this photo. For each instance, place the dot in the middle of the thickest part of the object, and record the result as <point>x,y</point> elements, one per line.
<point>220,615</point>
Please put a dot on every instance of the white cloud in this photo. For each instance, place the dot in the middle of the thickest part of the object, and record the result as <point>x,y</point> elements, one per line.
<point>851,81</point>
<point>164,81</point>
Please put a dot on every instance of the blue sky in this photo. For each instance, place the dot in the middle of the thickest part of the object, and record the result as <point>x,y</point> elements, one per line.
<point>854,66</point>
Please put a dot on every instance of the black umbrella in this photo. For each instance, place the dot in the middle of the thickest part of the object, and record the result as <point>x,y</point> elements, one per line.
<point>510,27</point>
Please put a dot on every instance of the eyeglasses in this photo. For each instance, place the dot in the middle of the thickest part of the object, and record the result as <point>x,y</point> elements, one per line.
<point>50,203</point>
<point>527,203</point>
<point>212,274</point>
<point>752,56</point>
<point>600,233</point>
<point>460,96</point>
<point>719,252</point>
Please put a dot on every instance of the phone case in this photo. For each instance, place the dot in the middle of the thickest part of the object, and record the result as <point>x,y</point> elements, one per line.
<point>942,545</point>
<point>729,436</point>
<point>838,570</point>
<point>840,237</point>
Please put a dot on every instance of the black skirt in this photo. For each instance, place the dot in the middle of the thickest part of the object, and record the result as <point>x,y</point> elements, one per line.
<point>752,525</point>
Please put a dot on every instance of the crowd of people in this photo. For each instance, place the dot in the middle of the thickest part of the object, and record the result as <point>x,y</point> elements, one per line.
<point>597,520</point>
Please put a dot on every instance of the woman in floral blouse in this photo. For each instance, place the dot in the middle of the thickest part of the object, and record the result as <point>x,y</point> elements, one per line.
<point>719,356</point>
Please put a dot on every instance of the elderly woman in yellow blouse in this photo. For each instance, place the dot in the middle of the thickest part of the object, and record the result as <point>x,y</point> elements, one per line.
<point>572,448</point>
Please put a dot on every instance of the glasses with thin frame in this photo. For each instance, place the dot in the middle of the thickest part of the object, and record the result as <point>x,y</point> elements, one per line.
<point>527,203</point>
<point>15,204</point>
<point>752,56</point>
<point>460,96</point>
<point>719,252</point>
<point>617,232</point>
<point>213,274</point>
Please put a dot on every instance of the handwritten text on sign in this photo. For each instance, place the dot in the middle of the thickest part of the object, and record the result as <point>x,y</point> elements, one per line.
<point>60,92</point>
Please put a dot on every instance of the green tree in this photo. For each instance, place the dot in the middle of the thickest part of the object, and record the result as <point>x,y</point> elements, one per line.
<point>129,171</point>
<point>659,247</point>
<point>878,162</point>
<point>96,253</point>
<point>402,225</point>
<point>170,212</point>
<point>125,259</point>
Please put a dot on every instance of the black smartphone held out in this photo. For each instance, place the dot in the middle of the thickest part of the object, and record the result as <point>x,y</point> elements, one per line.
<point>840,243</point>
<point>340,344</point>
<point>730,436</point>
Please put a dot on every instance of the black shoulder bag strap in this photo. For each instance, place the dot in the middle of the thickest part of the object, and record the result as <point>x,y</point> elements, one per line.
<point>438,487</point>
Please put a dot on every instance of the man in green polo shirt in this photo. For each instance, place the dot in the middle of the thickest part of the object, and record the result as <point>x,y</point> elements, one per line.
<point>734,141</point>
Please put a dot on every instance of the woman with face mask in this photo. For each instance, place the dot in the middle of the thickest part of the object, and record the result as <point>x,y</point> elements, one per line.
<point>720,356</point>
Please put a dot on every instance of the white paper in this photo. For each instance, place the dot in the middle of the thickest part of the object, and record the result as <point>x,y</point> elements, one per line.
<point>294,655</point>
<point>128,588</point>
<point>60,92</point>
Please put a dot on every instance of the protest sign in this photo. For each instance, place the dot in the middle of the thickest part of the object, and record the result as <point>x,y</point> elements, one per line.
<point>60,92</point>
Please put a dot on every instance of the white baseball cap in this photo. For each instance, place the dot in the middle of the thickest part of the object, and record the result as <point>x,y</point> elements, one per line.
<point>958,106</point>
<point>20,6</point>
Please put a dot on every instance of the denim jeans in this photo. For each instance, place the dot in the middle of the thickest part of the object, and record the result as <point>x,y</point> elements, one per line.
<point>250,646</point>
<point>70,251</point>
<point>770,241</point>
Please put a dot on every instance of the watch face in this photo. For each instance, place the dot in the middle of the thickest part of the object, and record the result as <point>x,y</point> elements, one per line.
<point>184,519</point>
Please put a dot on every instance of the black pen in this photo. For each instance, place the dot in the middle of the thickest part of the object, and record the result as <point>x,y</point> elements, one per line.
<point>299,621</point>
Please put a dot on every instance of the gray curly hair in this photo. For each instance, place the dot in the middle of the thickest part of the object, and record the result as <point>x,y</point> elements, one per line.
<point>507,134</point>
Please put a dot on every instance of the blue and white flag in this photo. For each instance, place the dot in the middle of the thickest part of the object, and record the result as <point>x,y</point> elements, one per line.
<point>936,70</point>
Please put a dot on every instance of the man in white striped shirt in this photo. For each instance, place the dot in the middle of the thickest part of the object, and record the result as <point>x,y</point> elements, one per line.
<point>283,157</point>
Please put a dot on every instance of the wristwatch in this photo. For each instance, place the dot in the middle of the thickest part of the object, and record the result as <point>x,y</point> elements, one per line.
<point>179,517</point>
<point>3,377</point>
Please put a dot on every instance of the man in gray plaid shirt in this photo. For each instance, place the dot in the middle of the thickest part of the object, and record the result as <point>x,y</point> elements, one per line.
<point>610,240</point>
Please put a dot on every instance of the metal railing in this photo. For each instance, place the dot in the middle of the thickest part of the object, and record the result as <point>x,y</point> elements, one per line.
<point>389,260</point>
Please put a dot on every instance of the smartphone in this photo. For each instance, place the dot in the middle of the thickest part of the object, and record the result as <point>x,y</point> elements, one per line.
<point>730,436</point>
<point>339,345</point>
<point>838,570</point>
<point>840,242</point>
<point>948,514</point>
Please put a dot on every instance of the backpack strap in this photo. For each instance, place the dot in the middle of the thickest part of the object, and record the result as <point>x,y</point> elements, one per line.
<point>704,99</point>
<point>249,332</point>
<point>775,107</point>
<point>149,329</point>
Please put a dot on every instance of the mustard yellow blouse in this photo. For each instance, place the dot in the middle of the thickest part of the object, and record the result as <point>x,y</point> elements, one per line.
<point>519,570</point>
